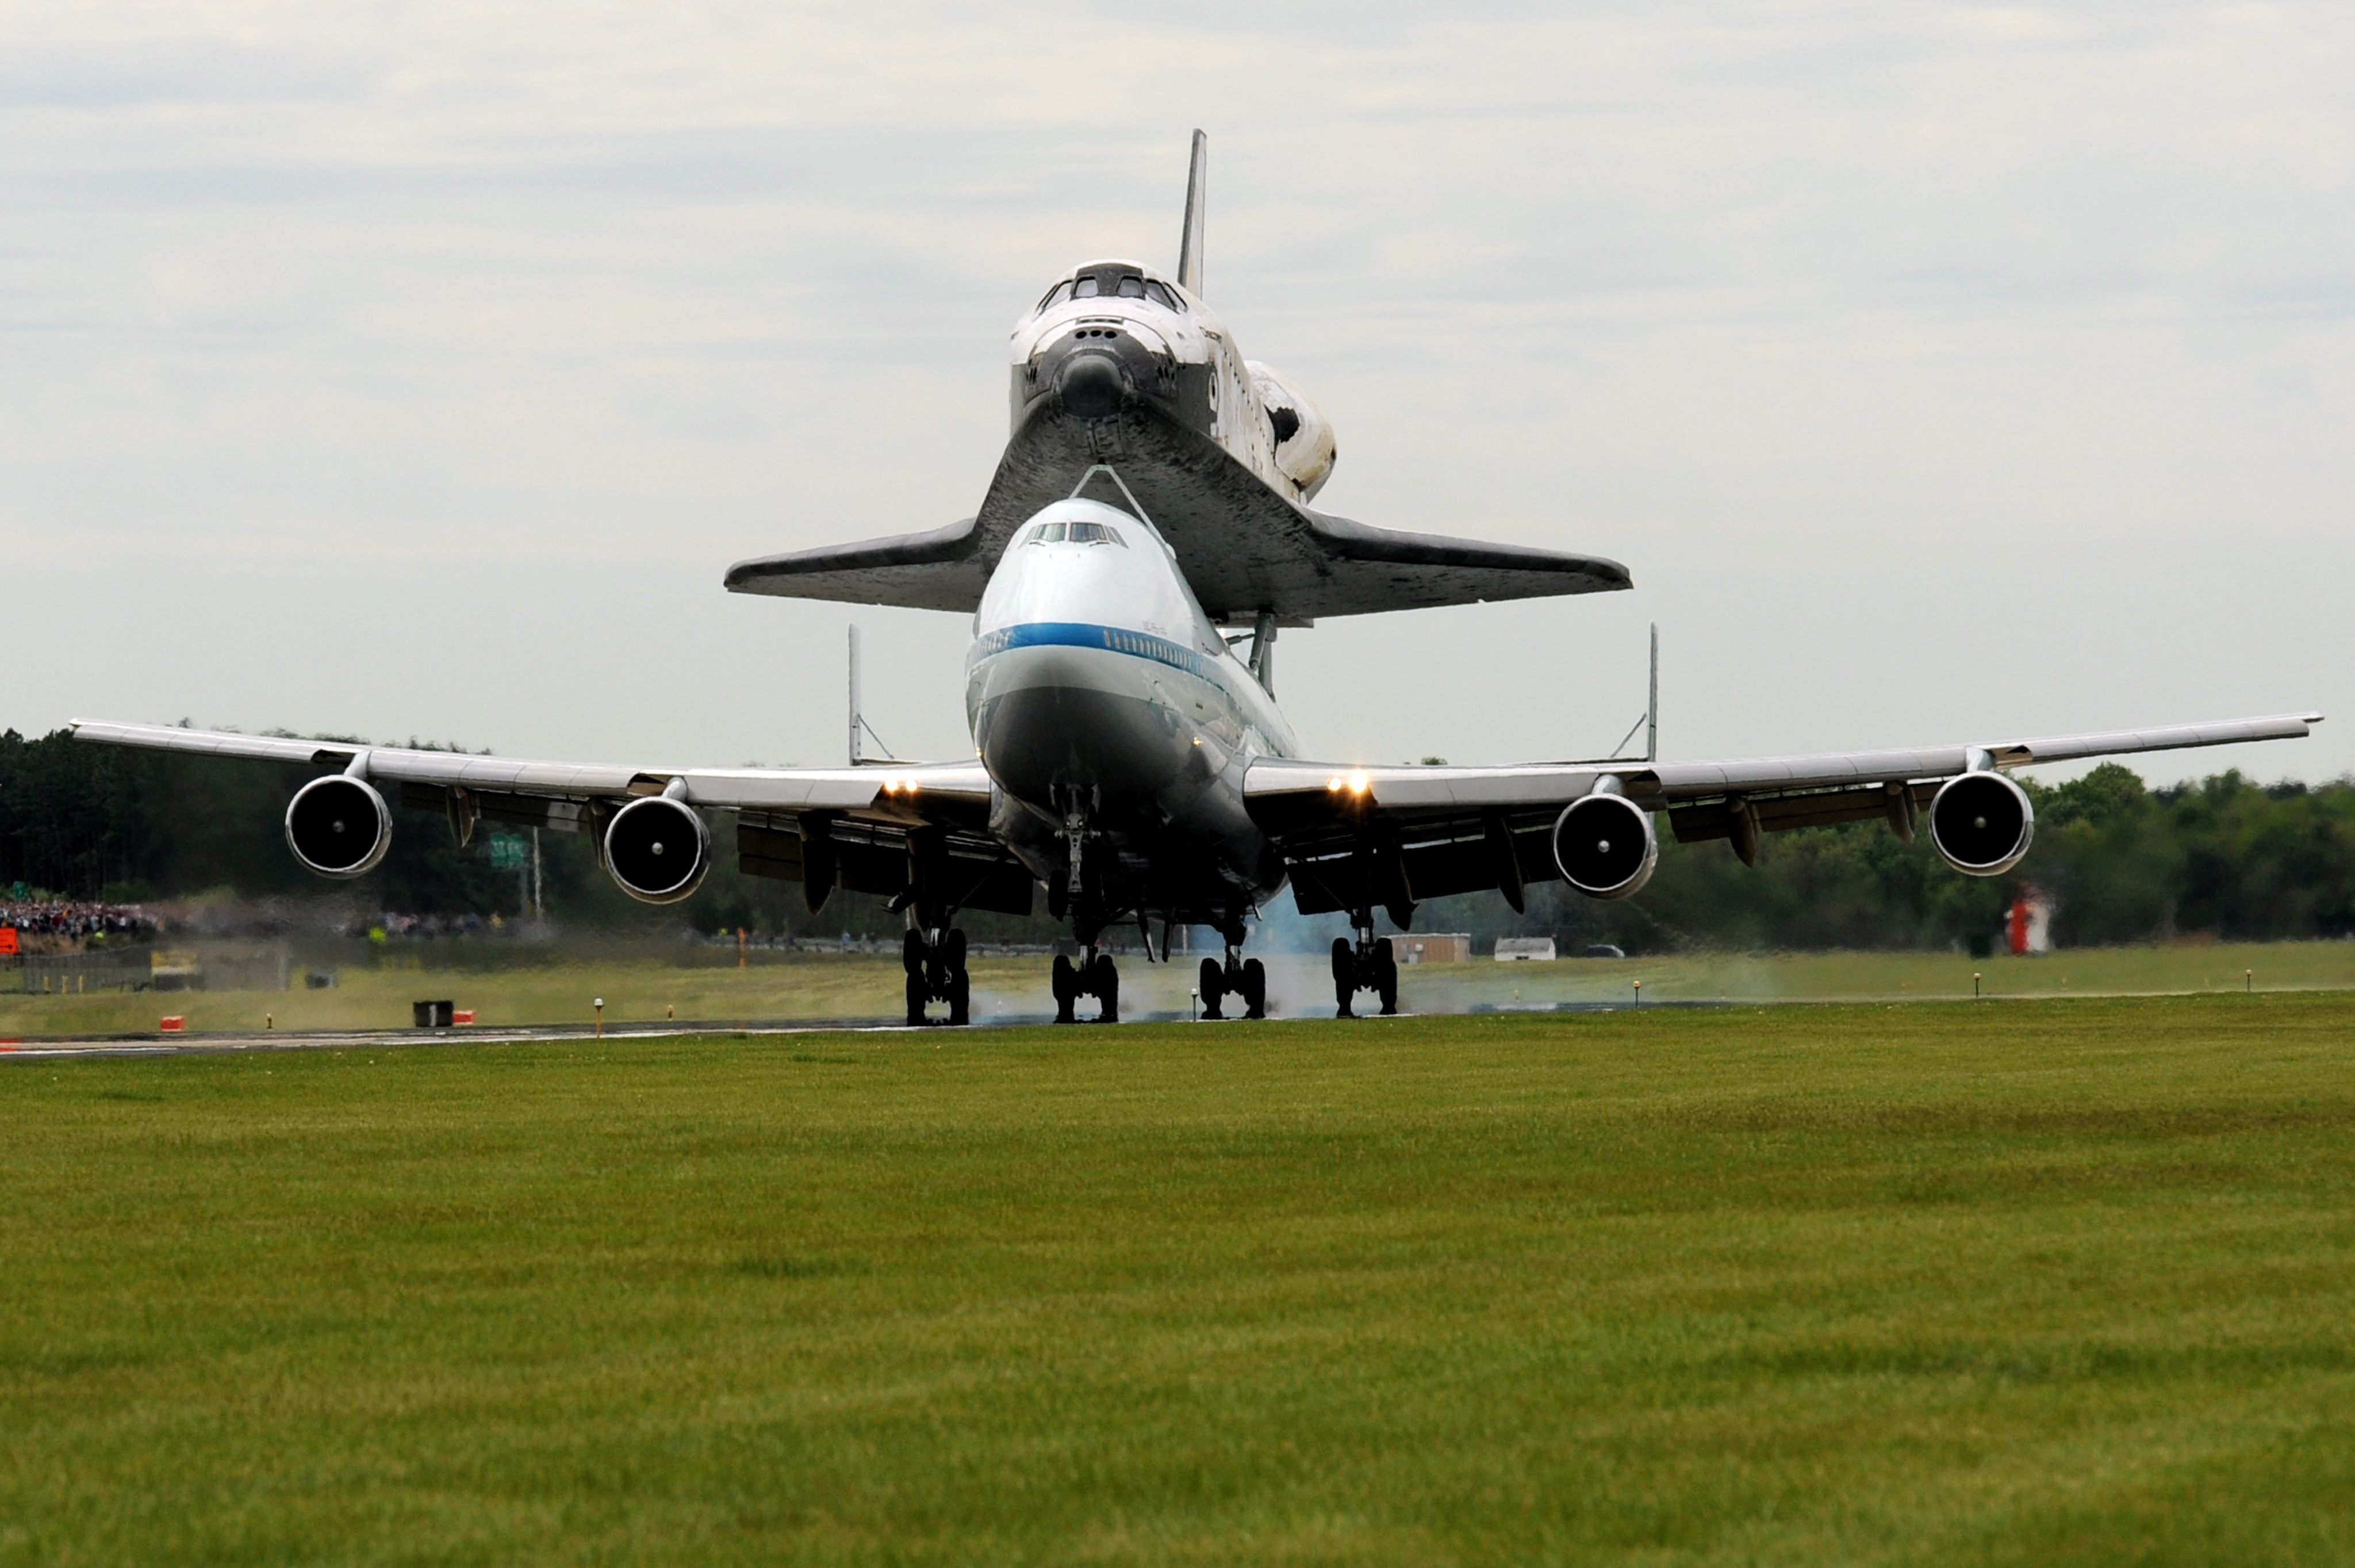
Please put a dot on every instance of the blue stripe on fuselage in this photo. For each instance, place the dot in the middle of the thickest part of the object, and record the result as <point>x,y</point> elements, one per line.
<point>1082,635</point>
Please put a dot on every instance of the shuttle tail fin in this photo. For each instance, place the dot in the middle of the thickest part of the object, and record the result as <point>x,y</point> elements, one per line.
<point>1189,245</point>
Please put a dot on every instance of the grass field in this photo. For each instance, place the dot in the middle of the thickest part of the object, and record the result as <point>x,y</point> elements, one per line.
<point>639,988</point>
<point>2031,1283</point>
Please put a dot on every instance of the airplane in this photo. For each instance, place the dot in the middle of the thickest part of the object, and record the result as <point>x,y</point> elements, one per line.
<point>1150,516</point>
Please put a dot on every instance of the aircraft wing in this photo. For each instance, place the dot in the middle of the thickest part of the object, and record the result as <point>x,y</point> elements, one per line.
<point>864,816</point>
<point>1434,831</point>
<point>1244,549</point>
<point>944,568</point>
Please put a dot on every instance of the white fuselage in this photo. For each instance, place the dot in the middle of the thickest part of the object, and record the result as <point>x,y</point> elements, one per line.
<point>1096,685</point>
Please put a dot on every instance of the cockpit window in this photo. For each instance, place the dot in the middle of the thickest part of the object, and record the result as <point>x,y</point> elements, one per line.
<point>1159,295</point>
<point>1131,287</point>
<point>1084,288</point>
<point>1074,533</point>
<point>1056,295</point>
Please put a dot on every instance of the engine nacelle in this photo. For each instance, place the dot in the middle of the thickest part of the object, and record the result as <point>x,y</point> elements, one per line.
<point>1604,845</point>
<point>1304,451</point>
<point>658,849</point>
<point>338,826</point>
<point>1981,824</point>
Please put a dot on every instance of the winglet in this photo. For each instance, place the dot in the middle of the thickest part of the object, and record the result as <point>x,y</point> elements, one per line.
<point>1189,245</point>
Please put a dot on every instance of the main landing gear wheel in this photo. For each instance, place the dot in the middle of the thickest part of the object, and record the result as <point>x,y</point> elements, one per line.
<point>1095,975</point>
<point>936,973</point>
<point>1364,965</point>
<point>1237,976</point>
<point>1214,988</point>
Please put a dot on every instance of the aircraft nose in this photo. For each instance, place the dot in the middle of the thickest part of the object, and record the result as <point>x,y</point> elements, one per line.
<point>1091,383</point>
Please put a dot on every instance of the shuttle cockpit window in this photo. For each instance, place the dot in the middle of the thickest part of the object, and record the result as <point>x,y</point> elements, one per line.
<point>1159,295</point>
<point>1055,296</point>
<point>1113,281</point>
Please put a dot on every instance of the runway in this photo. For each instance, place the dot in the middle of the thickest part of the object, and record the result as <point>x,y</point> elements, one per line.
<point>151,1043</point>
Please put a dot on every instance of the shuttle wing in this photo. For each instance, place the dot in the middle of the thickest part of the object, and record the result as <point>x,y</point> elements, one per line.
<point>1243,547</point>
<point>865,817</point>
<point>945,569</point>
<point>1427,832</point>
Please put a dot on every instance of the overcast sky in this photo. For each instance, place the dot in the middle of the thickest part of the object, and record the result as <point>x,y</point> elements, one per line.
<point>1941,372</point>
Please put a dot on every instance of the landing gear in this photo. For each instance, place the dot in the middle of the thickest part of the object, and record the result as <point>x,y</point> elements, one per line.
<point>1364,964</point>
<point>1095,975</point>
<point>1238,976</point>
<point>935,964</point>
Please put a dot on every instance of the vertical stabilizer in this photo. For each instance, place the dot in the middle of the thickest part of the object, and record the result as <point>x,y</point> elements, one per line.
<point>1198,191</point>
<point>856,721</point>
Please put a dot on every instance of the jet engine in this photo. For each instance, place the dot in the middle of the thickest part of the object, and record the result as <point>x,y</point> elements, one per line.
<point>338,826</point>
<point>658,849</point>
<point>1981,824</point>
<point>1604,845</point>
<point>1304,440</point>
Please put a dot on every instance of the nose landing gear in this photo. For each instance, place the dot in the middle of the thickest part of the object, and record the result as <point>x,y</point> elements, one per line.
<point>1095,975</point>
<point>935,963</point>
<point>1365,965</point>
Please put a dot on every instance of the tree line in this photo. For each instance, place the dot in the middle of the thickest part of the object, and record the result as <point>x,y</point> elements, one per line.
<point>2121,861</point>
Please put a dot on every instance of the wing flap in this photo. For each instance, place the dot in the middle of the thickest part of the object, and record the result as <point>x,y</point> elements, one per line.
<point>1781,813</point>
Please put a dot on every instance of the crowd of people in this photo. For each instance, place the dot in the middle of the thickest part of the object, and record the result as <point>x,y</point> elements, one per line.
<point>48,917</point>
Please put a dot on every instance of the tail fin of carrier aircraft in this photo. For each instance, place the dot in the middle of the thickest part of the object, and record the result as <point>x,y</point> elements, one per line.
<point>1189,243</point>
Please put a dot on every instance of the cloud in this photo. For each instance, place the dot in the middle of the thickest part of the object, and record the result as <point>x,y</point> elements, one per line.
<point>2023,330</point>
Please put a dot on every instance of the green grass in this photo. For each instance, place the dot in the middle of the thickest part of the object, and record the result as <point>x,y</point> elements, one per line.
<point>641,989</point>
<point>2028,1283</point>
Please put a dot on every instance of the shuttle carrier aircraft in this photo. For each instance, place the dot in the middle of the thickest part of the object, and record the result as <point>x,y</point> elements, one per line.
<point>1148,532</point>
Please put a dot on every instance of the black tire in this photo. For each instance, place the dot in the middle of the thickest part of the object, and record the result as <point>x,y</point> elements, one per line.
<point>1214,988</point>
<point>915,999</point>
<point>1107,988</point>
<point>1386,976</point>
<point>1254,988</point>
<point>952,951</point>
<point>1345,961</point>
<point>911,952</point>
<point>960,1000</point>
<point>1066,988</point>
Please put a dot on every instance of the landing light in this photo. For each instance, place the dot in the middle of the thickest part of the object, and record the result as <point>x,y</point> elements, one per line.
<point>1358,782</point>
<point>1333,783</point>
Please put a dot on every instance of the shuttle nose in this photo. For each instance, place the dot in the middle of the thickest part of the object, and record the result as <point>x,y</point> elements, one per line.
<point>1096,369</point>
<point>1091,383</point>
